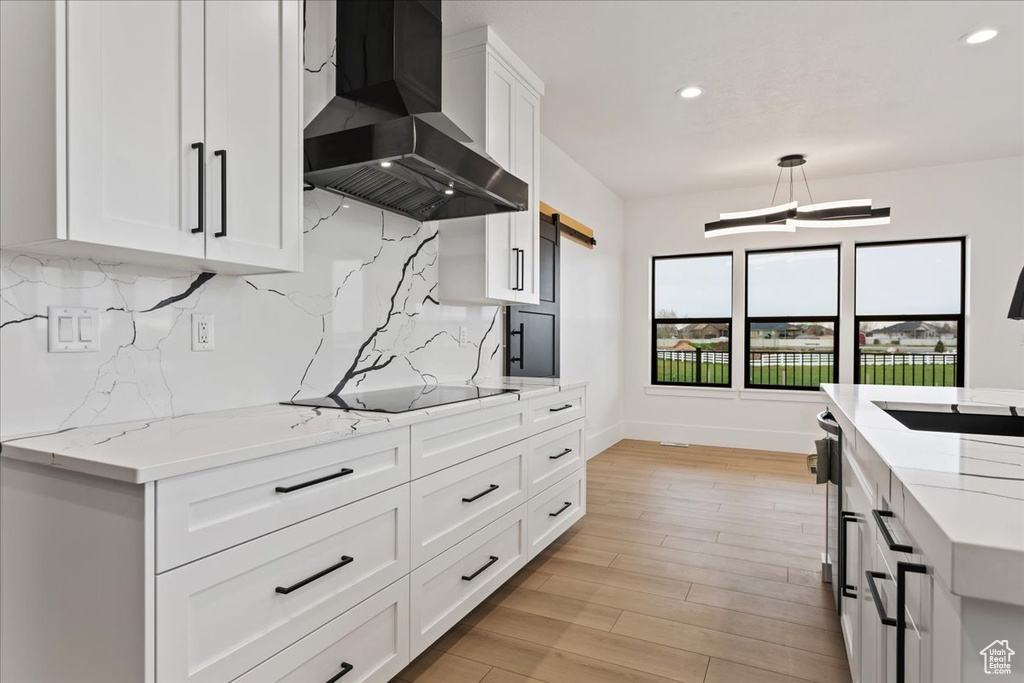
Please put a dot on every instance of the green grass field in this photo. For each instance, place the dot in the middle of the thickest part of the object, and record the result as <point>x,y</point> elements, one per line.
<point>684,372</point>
<point>790,375</point>
<point>920,375</point>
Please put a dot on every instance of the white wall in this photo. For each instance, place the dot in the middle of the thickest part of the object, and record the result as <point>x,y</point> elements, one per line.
<point>982,200</point>
<point>591,291</point>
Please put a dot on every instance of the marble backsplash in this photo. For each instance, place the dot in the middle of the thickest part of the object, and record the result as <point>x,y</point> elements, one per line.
<point>364,314</point>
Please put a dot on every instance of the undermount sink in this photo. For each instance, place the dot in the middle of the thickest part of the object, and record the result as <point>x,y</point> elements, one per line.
<point>960,423</point>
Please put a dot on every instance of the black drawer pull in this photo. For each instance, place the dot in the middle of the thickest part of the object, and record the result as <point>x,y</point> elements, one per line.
<point>558,410</point>
<point>313,482</point>
<point>223,154</point>
<point>887,535</point>
<point>564,507</point>
<point>202,186</point>
<point>888,621</point>
<point>345,668</point>
<point>847,590</point>
<point>345,559</point>
<point>492,487</point>
<point>567,451</point>
<point>902,568</point>
<point>494,558</point>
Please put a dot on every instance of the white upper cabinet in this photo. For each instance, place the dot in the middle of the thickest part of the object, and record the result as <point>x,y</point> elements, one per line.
<point>495,98</point>
<point>159,106</point>
<point>253,132</point>
<point>135,106</point>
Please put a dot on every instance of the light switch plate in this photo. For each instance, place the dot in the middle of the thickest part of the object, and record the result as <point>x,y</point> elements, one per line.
<point>72,330</point>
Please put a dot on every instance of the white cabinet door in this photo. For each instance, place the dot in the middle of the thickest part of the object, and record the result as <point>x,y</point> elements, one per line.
<point>502,259</point>
<point>253,132</point>
<point>526,166</point>
<point>134,110</point>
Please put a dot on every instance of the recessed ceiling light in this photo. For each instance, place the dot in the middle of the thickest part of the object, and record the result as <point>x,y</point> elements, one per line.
<point>982,35</point>
<point>690,91</point>
<point>385,164</point>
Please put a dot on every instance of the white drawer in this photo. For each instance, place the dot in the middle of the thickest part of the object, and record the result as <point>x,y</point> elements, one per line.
<point>556,409</point>
<point>369,643</point>
<point>205,512</point>
<point>449,505</point>
<point>447,441</point>
<point>220,616</point>
<point>555,510</point>
<point>445,589</point>
<point>555,454</point>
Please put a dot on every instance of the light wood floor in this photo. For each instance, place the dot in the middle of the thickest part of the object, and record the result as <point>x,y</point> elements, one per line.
<point>692,564</point>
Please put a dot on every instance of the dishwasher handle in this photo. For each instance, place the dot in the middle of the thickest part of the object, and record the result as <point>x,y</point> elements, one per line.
<point>828,423</point>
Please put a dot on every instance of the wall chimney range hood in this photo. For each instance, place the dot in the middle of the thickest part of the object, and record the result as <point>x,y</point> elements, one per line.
<point>382,139</point>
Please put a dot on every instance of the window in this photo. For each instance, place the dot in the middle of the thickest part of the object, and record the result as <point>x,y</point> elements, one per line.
<point>792,317</point>
<point>692,317</point>
<point>909,313</point>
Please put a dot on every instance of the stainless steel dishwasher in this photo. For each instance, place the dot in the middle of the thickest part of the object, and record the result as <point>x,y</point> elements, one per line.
<point>832,561</point>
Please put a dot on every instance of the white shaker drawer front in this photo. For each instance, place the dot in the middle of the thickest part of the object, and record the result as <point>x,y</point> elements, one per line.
<point>448,587</point>
<point>556,510</point>
<point>205,512</point>
<point>220,616</point>
<point>556,409</point>
<point>555,454</point>
<point>447,441</point>
<point>449,505</point>
<point>367,644</point>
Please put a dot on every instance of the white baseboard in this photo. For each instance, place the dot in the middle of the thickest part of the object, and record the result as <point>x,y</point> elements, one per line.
<point>604,439</point>
<point>731,437</point>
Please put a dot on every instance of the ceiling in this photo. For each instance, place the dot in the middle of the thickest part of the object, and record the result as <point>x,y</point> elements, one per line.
<point>855,86</point>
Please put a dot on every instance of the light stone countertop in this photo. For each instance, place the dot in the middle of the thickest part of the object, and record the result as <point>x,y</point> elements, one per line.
<point>969,487</point>
<point>146,450</point>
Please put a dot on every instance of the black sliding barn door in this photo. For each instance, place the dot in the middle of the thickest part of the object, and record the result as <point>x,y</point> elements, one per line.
<point>532,331</point>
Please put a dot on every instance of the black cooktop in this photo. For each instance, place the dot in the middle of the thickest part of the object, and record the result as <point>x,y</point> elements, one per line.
<point>401,399</point>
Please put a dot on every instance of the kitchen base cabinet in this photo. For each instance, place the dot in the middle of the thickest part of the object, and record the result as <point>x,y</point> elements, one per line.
<point>331,562</point>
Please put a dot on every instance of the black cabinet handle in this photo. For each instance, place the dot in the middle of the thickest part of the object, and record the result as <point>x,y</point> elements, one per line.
<point>223,154</point>
<point>887,535</point>
<point>522,341</point>
<point>345,668</point>
<point>876,598</point>
<point>567,451</point>
<point>345,559</point>
<point>562,509</point>
<point>494,558</point>
<point>515,256</point>
<point>522,270</point>
<point>312,482</point>
<point>558,410</point>
<point>202,186</point>
<point>847,590</point>
<point>492,487</point>
<point>902,569</point>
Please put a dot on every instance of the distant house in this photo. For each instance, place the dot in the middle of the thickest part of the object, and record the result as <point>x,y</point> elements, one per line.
<point>704,331</point>
<point>912,329</point>
<point>775,331</point>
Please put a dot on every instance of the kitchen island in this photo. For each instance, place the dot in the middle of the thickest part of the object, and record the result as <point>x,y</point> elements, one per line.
<point>932,534</point>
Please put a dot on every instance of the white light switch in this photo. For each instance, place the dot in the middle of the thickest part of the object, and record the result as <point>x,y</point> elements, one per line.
<point>65,329</point>
<point>73,330</point>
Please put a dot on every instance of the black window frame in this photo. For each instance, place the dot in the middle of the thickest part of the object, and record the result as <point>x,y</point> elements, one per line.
<point>960,318</point>
<point>655,321</point>
<point>747,319</point>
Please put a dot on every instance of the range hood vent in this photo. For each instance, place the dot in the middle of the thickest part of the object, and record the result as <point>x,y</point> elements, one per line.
<point>382,139</point>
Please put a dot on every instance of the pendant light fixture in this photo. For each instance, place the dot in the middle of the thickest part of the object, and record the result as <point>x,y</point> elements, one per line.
<point>849,213</point>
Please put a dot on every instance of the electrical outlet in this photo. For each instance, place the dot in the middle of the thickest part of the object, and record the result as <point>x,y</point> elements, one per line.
<point>202,332</point>
<point>463,336</point>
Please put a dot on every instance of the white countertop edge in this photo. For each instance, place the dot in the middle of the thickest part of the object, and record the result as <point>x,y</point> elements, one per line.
<point>22,448</point>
